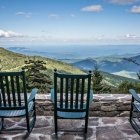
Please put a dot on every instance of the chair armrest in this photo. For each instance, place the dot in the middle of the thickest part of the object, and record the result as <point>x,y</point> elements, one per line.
<point>52,95</point>
<point>33,93</point>
<point>134,95</point>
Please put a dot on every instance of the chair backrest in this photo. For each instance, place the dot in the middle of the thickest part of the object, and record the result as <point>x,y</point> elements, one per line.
<point>71,92</point>
<point>13,90</point>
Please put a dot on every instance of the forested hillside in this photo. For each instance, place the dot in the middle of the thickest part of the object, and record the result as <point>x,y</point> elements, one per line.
<point>10,61</point>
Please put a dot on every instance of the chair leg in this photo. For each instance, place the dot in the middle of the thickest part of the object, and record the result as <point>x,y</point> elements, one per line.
<point>34,108</point>
<point>131,112</point>
<point>86,124</point>
<point>34,118</point>
<point>2,123</point>
<point>28,126</point>
<point>34,114</point>
<point>28,123</point>
<point>55,124</point>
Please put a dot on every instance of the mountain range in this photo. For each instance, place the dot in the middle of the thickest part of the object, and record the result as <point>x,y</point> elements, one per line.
<point>11,61</point>
<point>116,64</point>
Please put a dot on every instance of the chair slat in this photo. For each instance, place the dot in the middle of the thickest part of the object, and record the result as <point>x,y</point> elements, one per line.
<point>71,93</point>
<point>2,90</point>
<point>88,92</point>
<point>24,89</point>
<point>18,90</point>
<point>77,93</point>
<point>82,93</point>
<point>66,94</point>
<point>0,97</point>
<point>61,92</point>
<point>13,90</point>
<point>55,89</point>
<point>8,90</point>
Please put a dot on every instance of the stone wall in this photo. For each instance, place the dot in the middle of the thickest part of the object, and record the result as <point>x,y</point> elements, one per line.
<point>103,105</point>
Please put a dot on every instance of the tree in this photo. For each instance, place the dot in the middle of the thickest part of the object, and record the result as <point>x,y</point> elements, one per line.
<point>98,86</point>
<point>125,86</point>
<point>37,76</point>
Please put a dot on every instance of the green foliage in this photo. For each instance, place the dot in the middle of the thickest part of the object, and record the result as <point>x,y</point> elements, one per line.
<point>36,76</point>
<point>98,86</point>
<point>126,85</point>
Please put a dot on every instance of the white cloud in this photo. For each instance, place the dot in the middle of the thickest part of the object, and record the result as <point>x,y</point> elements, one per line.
<point>128,39</point>
<point>92,8</point>
<point>25,14</point>
<point>14,38</point>
<point>123,1</point>
<point>130,36</point>
<point>53,15</point>
<point>7,34</point>
<point>135,10</point>
<point>20,13</point>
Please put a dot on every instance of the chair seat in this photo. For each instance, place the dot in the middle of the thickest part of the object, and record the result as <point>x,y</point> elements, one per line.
<point>13,113</point>
<point>71,114</point>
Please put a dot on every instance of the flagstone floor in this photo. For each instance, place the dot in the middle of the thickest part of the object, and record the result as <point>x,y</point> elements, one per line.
<point>102,128</point>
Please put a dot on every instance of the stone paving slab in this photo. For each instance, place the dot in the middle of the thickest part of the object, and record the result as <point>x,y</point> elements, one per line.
<point>99,128</point>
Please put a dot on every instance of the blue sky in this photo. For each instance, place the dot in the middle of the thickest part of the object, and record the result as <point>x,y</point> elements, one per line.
<point>31,22</point>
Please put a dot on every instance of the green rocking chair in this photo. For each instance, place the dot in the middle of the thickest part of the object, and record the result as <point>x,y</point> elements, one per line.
<point>135,111</point>
<point>72,97</point>
<point>14,101</point>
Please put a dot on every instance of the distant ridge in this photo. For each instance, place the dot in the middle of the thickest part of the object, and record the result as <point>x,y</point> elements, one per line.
<point>127,74</point>
<point>86,64</point>
<point>110,65</point>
